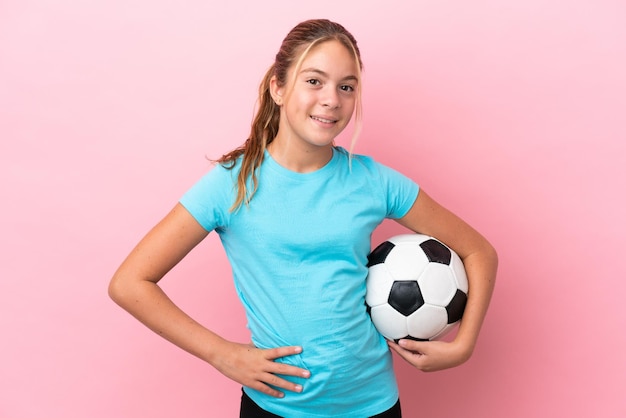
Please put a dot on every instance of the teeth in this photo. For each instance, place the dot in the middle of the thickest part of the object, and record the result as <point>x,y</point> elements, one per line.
<point>323,120</point>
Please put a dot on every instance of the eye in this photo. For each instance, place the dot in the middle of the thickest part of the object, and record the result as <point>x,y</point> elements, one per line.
<point>347,88</point>
<point>314,82</point>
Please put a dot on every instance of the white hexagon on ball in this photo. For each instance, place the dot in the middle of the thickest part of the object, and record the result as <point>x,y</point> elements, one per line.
<point>391,323</point>
<point>427,321</point>
<point>378,284</point>
<point>437,284</point>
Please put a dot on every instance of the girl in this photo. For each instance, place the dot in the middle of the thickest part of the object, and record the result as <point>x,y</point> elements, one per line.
<point>295,214</point>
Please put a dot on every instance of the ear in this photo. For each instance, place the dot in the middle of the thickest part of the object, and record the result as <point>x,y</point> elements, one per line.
<point>276,91</point>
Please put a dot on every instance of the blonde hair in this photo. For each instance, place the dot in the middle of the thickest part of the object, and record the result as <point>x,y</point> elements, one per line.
<point>303,37</point>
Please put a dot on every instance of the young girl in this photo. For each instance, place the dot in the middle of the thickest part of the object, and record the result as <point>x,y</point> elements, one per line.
<point>295,214</point>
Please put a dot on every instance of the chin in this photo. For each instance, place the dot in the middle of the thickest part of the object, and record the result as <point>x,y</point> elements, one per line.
<point>322,144</point>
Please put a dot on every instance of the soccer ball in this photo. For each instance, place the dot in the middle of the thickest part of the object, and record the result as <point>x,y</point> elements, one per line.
<point>416,288</point>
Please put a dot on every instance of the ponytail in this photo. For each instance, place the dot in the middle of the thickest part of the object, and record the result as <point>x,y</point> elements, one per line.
<point>262,133</point>
<point>266,120</point>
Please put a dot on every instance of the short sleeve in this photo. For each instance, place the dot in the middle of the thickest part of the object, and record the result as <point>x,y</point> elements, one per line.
<point>210,198</point>
<point>400,191</point>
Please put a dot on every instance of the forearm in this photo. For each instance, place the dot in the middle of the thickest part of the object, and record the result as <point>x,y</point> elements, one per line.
<point>481,268</point>
<point>243,363</point>
<point>147,302</point>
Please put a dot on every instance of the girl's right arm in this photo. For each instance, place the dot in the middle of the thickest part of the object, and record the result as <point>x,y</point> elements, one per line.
<point>135,288</point>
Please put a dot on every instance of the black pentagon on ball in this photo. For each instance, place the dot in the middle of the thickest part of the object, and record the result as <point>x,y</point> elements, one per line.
<point>436,252</point>
<point>405,296</point>
<point>410,337</point>
<point>380,253</point>
<point>456,307</point>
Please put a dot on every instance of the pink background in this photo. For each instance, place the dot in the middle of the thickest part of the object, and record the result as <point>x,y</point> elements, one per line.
<point>511,113</point>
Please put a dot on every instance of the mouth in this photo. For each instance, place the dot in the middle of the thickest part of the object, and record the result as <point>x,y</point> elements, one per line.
<point>323,119</point>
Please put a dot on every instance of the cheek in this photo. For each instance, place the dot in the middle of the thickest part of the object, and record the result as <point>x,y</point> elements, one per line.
<point>348,107</point>
<point>294,113</point>
<point>301,105</point>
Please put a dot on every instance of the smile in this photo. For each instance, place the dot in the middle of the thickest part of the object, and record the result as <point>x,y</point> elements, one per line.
<point>323,120</point>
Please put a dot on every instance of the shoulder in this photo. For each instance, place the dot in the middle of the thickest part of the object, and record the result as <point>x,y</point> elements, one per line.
<point>216,184</point>
<point>361,163</point>
<point>358,161</point>
<point>219,173</point>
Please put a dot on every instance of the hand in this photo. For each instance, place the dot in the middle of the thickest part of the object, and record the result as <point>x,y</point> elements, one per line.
<point>430,356</point>
<point>256,368</point>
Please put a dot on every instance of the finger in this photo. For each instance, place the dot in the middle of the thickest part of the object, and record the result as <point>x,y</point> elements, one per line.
<point>282,368</point>
<point>270,384</point>
<point>414,346</point>
<point>417,360</point>
<point>398,349</point>
<point>414,358</point>
<point>278,382</point>
<point>263,388</point>
<point>288,370</point>
<point>278,352</point>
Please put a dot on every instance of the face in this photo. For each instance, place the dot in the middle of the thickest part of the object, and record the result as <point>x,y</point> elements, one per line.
<point>318,101</point>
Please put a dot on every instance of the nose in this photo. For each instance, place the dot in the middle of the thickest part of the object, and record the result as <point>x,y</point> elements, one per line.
<point>330,98</point>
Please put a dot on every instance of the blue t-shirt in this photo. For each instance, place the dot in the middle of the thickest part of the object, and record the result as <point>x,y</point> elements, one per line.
<point>298,253</point>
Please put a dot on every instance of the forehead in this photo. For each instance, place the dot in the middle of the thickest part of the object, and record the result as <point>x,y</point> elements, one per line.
<point>331,57</point>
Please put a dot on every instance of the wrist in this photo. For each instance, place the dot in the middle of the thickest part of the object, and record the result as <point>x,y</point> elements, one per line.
<point>214,350</point>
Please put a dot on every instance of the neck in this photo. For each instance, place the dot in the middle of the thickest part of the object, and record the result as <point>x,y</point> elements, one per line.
<point>300,158</point>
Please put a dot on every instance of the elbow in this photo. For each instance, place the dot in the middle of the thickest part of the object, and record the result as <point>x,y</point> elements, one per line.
<point>484,257</point>
<point>492,254</point>
<point>126,290</point>
<point>116,290</point>
<point>491,258</point>
<point>113,290</point>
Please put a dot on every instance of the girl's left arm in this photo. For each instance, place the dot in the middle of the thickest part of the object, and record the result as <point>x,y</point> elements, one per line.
<point>480,260</point>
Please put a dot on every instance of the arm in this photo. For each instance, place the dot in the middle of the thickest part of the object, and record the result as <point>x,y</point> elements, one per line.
<point>134,287</point>
<point>480,260</point>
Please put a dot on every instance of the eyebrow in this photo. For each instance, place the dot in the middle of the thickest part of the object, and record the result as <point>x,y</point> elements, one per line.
<point>324,74</point>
